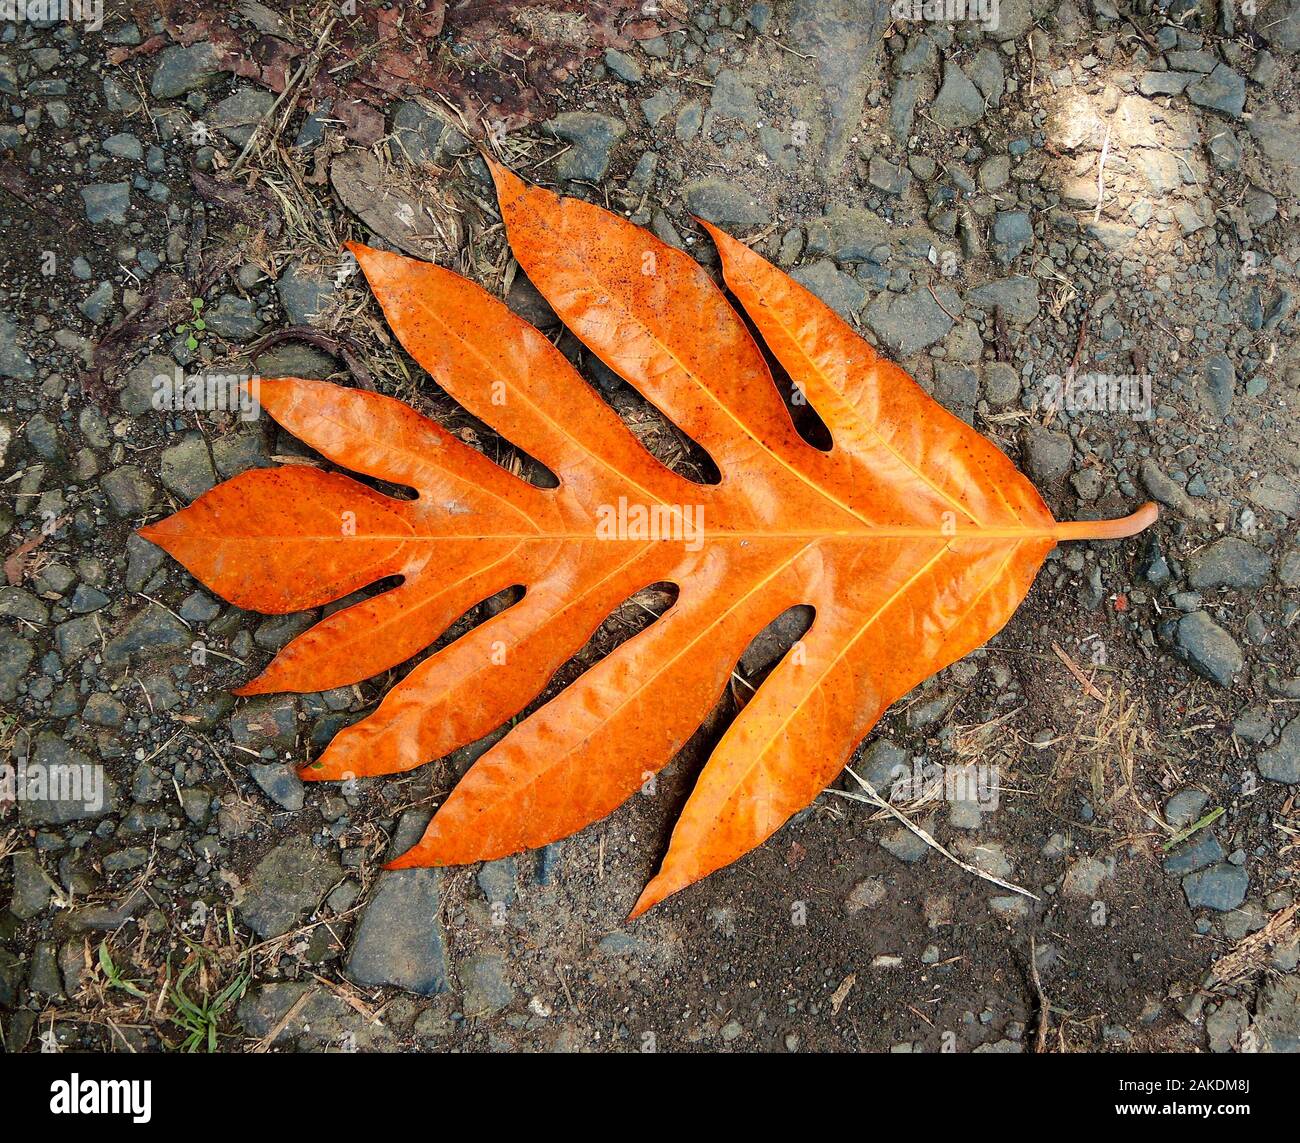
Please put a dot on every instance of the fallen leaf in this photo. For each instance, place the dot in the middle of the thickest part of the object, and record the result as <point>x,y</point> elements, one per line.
<point>913,539</point>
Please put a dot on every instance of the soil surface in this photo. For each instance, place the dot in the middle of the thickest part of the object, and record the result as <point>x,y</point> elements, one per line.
<point>1067,196</point>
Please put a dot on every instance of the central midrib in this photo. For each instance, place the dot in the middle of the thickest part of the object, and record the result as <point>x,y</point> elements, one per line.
<point>885,532</point>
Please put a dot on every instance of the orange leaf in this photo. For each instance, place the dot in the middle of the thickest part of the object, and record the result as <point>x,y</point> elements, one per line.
<point>912,538</point>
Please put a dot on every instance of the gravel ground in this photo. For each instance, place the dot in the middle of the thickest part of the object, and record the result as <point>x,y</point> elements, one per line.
<point>1066,201</point>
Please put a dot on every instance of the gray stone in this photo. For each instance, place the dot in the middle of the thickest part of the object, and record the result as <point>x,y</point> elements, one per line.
<point>14,362</point>
<point>418,131</point>
<point>1194,61</point>
<point>1047,454</point>
<point>885,176</point>
<point>1225,1026</point>
<point>881,765</point>
<point>124,146</point>
<point>287,1008</point>
<point>1164,82</point>
<point>181,69</point>
<point>1192,216</point>
<point>1185,807</point>
<point>1229,562</point>
<point>1240,923</point>
<point>721,202</point>
<point>130,492</point>
<point>660,105</point>
<point>904,844</point>
<point>1281,763</point>
<point>1114,236</point>
<point>16,655</point>
<point>1288,571</point>
<point>1275,492</point>
<point>866,894</point>
<point>187,467</point>
<point>95,306</point>
<point>496,879</point>
<point>995,173</point>
<point>104,710</point>
<point>142,560</point>
<point>152,630</point>
<point>1208,648</point>
<point>1017,296</point>
<point>908,323</point>
<point>1169,492</point>
<point>1220,887</point>
<point>1223,90</point>
<point>1195,853</point>
<point>1087,484</point>
<point>292,360</point>
<point>902,108</point>
<point>285,885</point>
<point>266,721</point>
<point>1014,19</point>
<point>956,388</point>
<point>1012,235</point>
<point>1278,22</point>
<point>734,98</point>
<point>486,987</point>
<point>919,56</point>
<point>1218,385</point>
<point>306,292</point>
<point>834,287</point>
<point>75,638</point>
<point>842,41</point>
<point>591,137</point>
<point>959,103</point>
<point>1086,876</point>
<point>624,66</point>
<point>689,119</point>
<point>32,888</point>
<point>1277,1015</point>
<point>399,939</point>
<point>1000,1047</point>
<point>1010,908</point>
<point>44,978</point>
<point>107,202</point>
<point>279,782</point>
<point>233,318</point>
<point>849,235</point>
<point>988,74</point>
<point>18,603</point>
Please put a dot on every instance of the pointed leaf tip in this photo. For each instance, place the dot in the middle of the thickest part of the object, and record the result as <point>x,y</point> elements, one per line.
<point>509,185</point>
<point>654,892</point>
<point>408,860</point>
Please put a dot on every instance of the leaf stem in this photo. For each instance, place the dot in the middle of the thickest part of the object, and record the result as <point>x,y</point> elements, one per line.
<point>1144,517</point>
